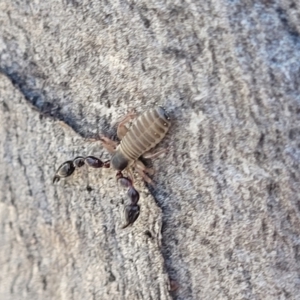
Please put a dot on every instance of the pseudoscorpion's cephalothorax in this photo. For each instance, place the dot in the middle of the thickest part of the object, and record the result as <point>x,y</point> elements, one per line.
<point>146,131</point>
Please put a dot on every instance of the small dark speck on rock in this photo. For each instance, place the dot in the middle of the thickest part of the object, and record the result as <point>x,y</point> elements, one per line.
<point>88,188</point>
<point>174,285</point>
<point>148,234</point>
<point>111,277</point>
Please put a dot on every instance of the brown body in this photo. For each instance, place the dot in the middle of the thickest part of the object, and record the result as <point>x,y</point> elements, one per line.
<point>146,132</point>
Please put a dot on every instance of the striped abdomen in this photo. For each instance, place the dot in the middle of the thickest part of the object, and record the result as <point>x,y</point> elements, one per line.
<point>145,133</point>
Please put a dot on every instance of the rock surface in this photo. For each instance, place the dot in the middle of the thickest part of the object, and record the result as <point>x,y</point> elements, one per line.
<point>223,219</point>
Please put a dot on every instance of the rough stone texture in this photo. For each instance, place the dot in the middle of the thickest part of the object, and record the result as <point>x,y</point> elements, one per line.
<point>225,220</point>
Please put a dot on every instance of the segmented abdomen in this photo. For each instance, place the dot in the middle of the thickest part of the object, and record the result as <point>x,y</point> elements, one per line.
<point>145,133</point>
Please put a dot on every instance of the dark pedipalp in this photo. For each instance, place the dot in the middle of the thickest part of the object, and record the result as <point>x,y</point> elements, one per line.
<point>133,195</point>
<point>64,170</point>
<point>68,167</point>
<point>94,162</point>
<point>132,211</point>
<point>78,161</point>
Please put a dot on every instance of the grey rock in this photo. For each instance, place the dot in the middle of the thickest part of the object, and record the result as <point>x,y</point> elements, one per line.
<point>222,221</point>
